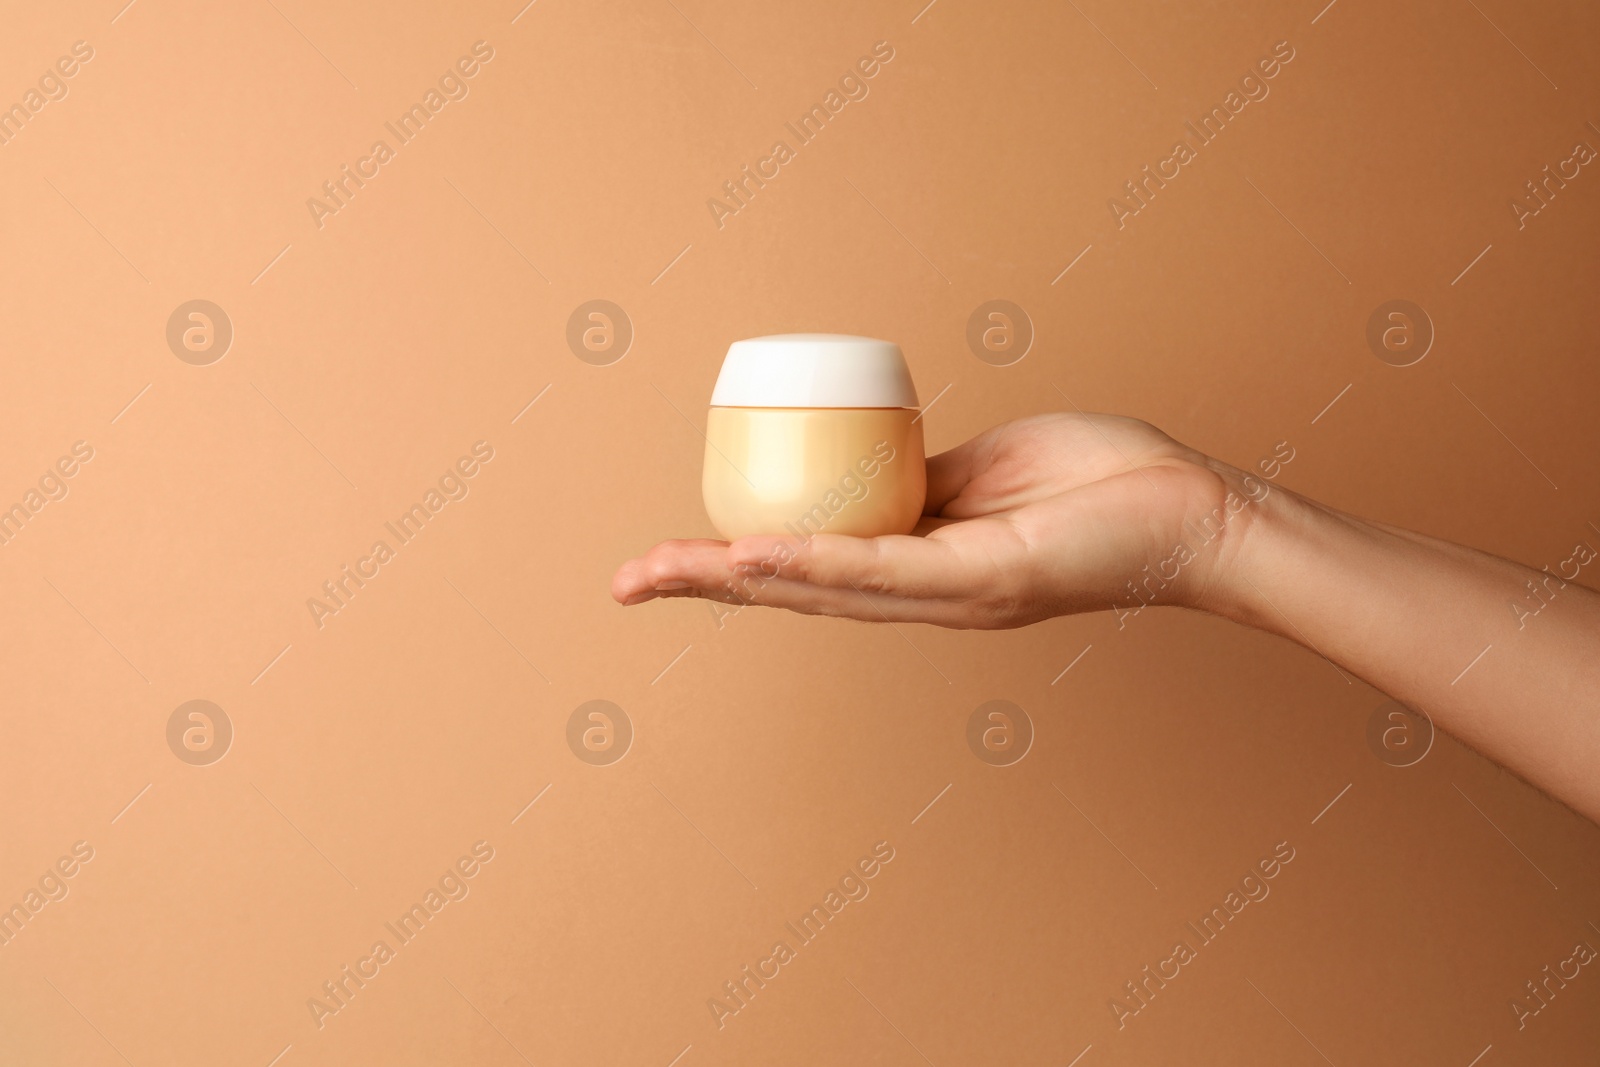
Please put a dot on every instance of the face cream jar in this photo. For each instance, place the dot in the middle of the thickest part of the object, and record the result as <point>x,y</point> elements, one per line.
<point>814,433</point>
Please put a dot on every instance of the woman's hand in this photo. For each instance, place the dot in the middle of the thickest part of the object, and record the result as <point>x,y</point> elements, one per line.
<point>1066,513</point>
<point>1044,516</point>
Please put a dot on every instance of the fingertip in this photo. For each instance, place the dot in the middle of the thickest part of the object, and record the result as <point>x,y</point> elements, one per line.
<point>641,578</point>
<point>625,583</point>
<point>669,569</point>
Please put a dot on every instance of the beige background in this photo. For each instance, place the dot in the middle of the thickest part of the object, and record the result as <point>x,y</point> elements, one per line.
<point>771,753</point>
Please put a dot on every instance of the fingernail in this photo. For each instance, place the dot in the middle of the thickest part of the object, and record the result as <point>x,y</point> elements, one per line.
<point>639,598</point>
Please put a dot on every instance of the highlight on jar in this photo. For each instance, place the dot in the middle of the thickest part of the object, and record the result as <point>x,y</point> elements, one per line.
<point>811,433</point>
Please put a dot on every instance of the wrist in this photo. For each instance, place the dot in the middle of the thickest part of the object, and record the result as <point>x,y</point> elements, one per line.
<point>1251,534</point>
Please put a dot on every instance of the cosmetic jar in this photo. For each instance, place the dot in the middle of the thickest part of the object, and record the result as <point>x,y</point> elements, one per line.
<point>814,433</point>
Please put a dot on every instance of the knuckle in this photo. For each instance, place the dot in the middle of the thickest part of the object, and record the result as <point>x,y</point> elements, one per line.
<point>1000,605</point>
<point>873,576</point>
<point>874,581</point>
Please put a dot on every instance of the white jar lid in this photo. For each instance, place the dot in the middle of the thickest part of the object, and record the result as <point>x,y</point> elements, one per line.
<point>814,370</point>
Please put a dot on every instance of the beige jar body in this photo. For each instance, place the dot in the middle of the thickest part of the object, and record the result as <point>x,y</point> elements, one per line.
<point>802,471</point>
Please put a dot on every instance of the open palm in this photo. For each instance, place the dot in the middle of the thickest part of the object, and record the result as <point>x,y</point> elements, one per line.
<point>1043,516</point>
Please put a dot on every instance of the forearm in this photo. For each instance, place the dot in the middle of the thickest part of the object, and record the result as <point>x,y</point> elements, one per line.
<point>1433,625</point>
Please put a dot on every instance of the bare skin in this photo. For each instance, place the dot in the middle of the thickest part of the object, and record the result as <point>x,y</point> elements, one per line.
<point>1060,514</point>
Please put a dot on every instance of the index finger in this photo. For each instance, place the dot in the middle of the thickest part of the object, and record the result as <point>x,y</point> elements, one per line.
<point>916,568</point>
